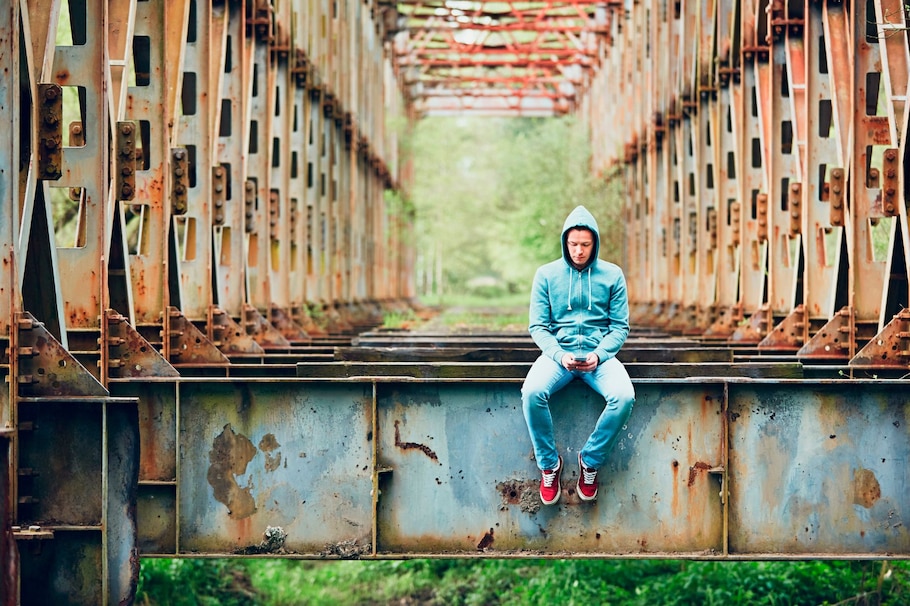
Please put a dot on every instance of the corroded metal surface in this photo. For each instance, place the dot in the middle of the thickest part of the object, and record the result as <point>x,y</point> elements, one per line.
<point>819,471</point>
<point>270,454</point>
<point>475,475</point>
<point>718,468</point>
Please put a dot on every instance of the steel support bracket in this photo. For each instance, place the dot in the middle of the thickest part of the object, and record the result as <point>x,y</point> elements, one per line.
<point>761,201</point>
<point>890,185</point>
<point>890,348</point>
<point>186,344</point>
<point>789,335</point>
<point>283,322</point>
<point>834,341</point>
<point>794,202</point>
<point>725,323</point>
<point>301,316</point>
<point>753,330</point>
<point>129,354</point>
<point>256,326</point>
<point>219,194</point>
<point>180,180</point>
<point>836,189</point>
<point>46,368</point>
<point>228,336</point>
<point>685,319</point>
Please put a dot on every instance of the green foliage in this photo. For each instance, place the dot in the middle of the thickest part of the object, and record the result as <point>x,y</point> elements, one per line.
<point>490,197</point>
<point>196,582</point>
<point>514,582</point>
<point>394,319</point>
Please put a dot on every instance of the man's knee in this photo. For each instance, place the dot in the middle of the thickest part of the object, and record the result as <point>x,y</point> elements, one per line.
<point>533,395</point>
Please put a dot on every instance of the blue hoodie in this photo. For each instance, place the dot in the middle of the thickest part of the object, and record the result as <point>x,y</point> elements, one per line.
<point>579,311</point>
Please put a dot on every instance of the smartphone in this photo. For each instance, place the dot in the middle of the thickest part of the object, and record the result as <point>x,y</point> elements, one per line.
<point>581,359</point>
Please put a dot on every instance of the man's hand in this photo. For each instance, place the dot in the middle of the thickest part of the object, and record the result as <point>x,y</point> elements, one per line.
<point>589,364</point>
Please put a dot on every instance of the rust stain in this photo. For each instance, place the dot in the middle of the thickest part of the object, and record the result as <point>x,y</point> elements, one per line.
<point>486,541</point>
<point>693,471</point>
<point>866,489</point>
<point>674,501</point>
<point>267,444</point>
<point>230,454</point>
<point>409,445</point>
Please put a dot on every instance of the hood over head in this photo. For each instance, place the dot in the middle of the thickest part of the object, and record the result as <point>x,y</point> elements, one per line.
<point>580,217</point>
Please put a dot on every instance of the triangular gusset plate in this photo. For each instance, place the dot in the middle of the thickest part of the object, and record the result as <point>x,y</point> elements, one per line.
<point>890,348</point>
<point>46,368</point>
<point>229,336</point>
<point>262,330</point>
<point>187,344</point>
<point>130,355</point>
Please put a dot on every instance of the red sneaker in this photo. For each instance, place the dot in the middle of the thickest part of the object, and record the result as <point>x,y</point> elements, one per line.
<point>587,482</point>
<point>549,484</point>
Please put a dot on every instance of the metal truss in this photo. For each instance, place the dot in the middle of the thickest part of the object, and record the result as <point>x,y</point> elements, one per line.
<point>761,145</point>
<point>499,58</point>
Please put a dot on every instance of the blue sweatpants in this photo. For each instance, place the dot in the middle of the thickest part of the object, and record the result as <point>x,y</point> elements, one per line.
<point>546,377</point>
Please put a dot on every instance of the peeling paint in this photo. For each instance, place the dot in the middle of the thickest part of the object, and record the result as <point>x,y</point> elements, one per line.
<point>866,489</point>
<point>230,454</point>
<point>267,444</point>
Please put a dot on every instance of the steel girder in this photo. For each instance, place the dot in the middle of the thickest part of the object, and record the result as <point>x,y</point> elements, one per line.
<point>391,466</point>
<point>500,58</point>
<point>762,148</point>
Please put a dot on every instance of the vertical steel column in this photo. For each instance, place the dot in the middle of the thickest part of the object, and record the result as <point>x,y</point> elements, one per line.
<point>152,95</point>
<point>706,121</point>
<point>659,153</point>
<point>755,166</point>
<point>194,135</point>
<point>280,132</point>
<point>788,124</point>
<point>725,231</point>
<point>889,347</point>
<point>259,95</point>
<point>86,167</point>
<point>875,134</point>
<point>684,315</point>
<point>230,157</point>
<point>300,228</point>
<point>830,330</point>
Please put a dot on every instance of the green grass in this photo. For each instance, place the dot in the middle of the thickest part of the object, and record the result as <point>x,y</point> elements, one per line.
<point>521,582</point>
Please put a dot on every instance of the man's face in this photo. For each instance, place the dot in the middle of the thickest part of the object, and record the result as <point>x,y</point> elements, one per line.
<point>580,243</point>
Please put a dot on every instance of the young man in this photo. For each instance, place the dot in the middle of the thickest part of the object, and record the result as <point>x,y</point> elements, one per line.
<point>579,318</point>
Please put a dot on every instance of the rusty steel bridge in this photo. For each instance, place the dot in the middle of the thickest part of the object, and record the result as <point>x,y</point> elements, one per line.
<point>191,350</point>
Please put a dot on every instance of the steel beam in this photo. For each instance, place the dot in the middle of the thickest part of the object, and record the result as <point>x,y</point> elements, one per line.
<point>696,473</point>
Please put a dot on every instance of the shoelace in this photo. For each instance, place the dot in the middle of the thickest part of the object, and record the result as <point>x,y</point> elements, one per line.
<point>548,478</point>
<point>589,475</point>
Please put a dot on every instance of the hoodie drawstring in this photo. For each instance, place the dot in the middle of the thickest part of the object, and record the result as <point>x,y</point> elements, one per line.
<point>569,298</point>
<point>589,288</point>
